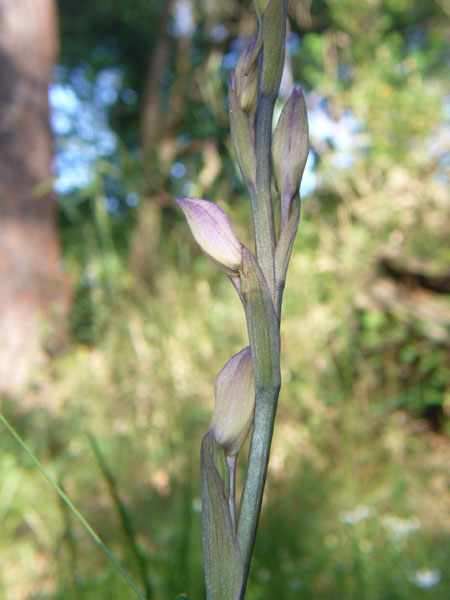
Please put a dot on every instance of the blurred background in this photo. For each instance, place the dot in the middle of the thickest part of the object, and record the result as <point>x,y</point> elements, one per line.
<point>114,324</point>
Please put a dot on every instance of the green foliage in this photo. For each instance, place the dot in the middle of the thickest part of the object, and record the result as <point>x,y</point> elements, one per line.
<point>104,35</point>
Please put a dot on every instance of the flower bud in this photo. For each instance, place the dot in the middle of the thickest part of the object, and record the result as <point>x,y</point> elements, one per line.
<point>246,76</point>
<point>213,232</point>
<point>234,392</point>
<point>290,149</point>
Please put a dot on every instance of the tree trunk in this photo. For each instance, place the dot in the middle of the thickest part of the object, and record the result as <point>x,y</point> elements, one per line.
<point>152,122</point>
<point>30,279</point>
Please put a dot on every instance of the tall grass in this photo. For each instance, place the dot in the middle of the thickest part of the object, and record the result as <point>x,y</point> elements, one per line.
<point>356,504</point>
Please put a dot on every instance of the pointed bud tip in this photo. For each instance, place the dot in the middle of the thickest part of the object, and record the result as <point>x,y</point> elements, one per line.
<point>290,145</point>
<point>234,391</point>
<point>213,232</point>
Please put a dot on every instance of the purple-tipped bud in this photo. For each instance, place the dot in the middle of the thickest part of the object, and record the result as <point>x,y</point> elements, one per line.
<point>213,232</point>
<point>234,391</point>
<point>290,148</point>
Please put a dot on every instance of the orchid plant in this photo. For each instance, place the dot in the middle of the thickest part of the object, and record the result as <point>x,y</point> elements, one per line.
<point>247,388</point>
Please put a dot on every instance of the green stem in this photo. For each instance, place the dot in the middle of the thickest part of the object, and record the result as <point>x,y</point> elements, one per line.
<point>261,299</point>
<point>262,203</point>
<point>267,397</point>
<point>124,516</point>
<point>265,410</point>
<point>264,335</point>
<point>232,462</point>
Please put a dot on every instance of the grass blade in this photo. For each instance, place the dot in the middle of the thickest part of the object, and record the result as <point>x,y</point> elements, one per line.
<point>65,498</point>
<point>124,516</point>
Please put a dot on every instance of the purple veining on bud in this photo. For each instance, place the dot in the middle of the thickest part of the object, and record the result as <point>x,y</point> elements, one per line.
<point>290,149</point>
<point>234,392</point>
<point>213,232</point>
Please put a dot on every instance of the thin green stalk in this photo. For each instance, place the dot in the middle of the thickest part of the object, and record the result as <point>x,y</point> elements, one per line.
<point>259,282</point>
<point>262,204</point>
<point>232,463</point>
<point>124,516</point>
<point>63,496</point>
<point>72,546</point>
<point>265,411</point>
<point>270,71</point>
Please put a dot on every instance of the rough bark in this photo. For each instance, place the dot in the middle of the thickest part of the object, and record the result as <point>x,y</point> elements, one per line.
<point>30,279</point>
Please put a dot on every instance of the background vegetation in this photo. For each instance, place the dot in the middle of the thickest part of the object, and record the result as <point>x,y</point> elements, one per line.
<point>357,504</point>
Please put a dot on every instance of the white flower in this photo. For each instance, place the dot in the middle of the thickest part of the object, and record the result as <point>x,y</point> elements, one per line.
<point>355,516</point>
<point>425,578</point>
<point>400,527</point>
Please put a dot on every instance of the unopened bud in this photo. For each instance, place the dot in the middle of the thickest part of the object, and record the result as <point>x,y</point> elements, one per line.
<point>246,76</point>
<point>290,149</point>
<point>213,232</point>
<point>234,392</point>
